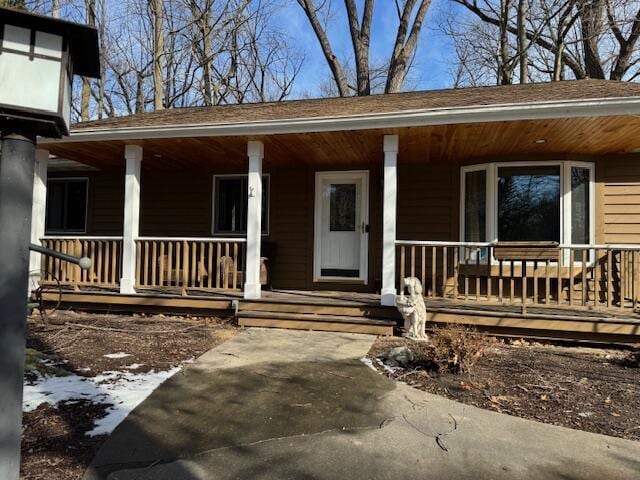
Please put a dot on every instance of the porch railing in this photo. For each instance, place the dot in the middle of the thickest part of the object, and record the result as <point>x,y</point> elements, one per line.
<point>583,276</point>
<point>105,253</point>
<point>190,263</point>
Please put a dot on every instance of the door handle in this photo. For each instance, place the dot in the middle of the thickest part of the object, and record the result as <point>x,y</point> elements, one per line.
<point>364,227</point>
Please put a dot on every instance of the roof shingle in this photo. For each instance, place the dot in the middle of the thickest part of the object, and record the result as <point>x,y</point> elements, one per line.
<point>385,103</point>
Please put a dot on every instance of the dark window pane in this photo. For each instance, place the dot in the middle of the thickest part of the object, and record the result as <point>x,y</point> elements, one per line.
<point>475,200</point>
<point>580,205</point>
<point>342,210</point>
<point>66,205</point>
<point>55,206</point>
<point>231,204</point>
<point>529,203</point>
<point>76,206</point>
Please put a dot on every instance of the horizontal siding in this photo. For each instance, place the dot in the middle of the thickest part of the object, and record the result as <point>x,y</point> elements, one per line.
<point>427,201</point>
<point>619,180</point>
<point>291,212</point>
<point>175,203</point>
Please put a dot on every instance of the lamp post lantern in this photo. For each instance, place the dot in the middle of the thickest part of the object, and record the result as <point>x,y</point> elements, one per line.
<point>38,58</point>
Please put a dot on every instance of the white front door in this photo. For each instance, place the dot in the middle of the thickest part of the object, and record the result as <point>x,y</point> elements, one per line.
<point>341,226</point>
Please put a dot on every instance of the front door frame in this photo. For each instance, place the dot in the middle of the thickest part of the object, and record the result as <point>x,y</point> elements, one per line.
<point>362,175</point>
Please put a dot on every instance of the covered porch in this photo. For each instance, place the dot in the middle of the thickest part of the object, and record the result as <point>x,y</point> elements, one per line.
<point>156,228</point>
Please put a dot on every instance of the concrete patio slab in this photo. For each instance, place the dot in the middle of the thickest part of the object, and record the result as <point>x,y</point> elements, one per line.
<point>301,405</point>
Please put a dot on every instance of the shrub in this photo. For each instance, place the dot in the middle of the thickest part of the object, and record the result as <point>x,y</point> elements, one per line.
<point>457,348</point>
<point>632,359</point>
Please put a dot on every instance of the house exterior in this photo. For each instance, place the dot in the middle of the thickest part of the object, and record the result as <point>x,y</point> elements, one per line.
<point>514,203</point>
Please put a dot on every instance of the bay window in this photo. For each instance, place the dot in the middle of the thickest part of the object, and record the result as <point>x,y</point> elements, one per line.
<point>528,202</point>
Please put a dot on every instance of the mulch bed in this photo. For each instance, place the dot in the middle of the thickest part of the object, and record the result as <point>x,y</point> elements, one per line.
<point>596,390</point>
<point>54,444</point>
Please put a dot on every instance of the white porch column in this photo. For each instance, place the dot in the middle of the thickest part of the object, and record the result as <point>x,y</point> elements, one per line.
<point>130,230</point>
<point>388,292</point>
<point>255,152</point>
<point>38,213</point>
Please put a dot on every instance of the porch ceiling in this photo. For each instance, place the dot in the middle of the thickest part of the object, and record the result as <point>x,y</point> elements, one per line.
<point>585,136</point>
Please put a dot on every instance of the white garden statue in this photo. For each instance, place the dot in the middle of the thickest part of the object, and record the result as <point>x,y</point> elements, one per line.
<point>412,309</point>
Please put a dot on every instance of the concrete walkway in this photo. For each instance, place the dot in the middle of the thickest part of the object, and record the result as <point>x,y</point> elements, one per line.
<point>276,404</point>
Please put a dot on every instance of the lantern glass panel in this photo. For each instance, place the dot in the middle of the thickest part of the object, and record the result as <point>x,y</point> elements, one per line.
<point>48,44</point>
<point>16,38</point>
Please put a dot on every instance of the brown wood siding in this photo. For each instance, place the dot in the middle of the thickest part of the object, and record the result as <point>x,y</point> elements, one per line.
<point>291,214</point>
<point>428,201</point>
<point>175,203</point>
<point>618,200</point>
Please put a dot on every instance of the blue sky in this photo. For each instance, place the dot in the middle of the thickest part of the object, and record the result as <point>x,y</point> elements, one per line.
<point>431,66</point>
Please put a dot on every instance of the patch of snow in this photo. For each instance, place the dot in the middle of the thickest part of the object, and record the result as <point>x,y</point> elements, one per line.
<point>386,367</point>
<point>367,361</point>
<point>117,355</point>
<point>134,366</point>
<point>122,391</point>
<point>84,369</point>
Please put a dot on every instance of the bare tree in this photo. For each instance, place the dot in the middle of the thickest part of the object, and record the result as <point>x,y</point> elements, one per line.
<point>335,66</point>
<point>411,15</point>
<point>587,38</point>
<point>90,6</point>
<point>360,35</point>
<point>157,11</point>
<point>405,46</point>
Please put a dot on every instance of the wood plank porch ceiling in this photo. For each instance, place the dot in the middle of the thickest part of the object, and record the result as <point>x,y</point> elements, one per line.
<point>582,137</point>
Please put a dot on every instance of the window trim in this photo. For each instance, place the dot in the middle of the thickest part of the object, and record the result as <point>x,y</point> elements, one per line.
<point>491,215</point>
<point>86,206</point>
<point>214,232</point>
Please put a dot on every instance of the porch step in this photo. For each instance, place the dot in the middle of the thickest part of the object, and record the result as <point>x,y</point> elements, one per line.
<point>315,321</point>
<point>339,309</point>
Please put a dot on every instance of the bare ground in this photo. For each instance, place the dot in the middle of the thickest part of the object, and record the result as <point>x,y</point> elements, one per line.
<point>54,444</point>
<point>596,390</point>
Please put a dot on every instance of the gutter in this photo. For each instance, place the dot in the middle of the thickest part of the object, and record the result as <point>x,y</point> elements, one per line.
<point>388,120</point>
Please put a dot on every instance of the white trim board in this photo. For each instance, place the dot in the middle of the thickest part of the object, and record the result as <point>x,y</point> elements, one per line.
<point>405,118</point>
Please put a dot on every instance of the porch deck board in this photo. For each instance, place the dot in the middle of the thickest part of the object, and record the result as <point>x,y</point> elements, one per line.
<point>291,309</point>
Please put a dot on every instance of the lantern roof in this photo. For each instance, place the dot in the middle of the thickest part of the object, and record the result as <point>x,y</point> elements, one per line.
<point>82,39</point>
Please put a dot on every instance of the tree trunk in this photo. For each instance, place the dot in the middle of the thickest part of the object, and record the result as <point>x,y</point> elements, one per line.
<point>523,48</point>
<point>86,82</point>
<point>360,36</point>
<point>558,66</point>
<point>403,51</point>
<point>591,19</point>
<point>505,70</point>
<point>334,64</point>
<point>158,53</point>
<point>103,55</point>
<point>139,92</point>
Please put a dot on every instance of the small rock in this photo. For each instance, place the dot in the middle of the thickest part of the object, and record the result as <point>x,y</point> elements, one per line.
<point>399,356</point>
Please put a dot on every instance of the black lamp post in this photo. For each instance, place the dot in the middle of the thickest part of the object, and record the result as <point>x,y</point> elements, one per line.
<point>38,58</point>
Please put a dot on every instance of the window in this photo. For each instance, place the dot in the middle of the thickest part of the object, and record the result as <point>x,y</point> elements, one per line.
<point>475,204</point>
<point>66,205</point>
<point>527,202</point>
<point>230,204</point>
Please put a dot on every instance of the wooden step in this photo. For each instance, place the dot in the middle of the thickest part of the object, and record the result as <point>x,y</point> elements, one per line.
<point>310,321</point>
<point>346,310</point>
